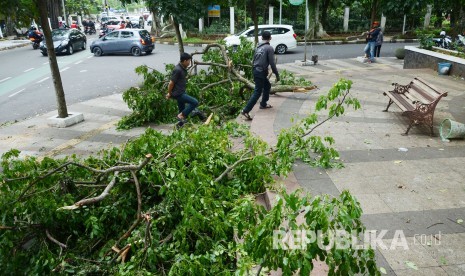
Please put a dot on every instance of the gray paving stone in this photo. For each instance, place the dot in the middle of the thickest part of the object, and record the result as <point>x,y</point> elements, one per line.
<point>413,223</point>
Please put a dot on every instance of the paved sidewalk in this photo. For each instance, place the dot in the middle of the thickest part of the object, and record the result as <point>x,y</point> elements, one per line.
<point>420,191</point>
<point>6,44</point>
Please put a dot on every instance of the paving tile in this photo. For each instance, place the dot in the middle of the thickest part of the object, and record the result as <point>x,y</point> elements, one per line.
<point>454,270</point>
<point>402,202</point>
<point>415,253</point>
<point>450,251</point>
<point>320,186</point>
<point>430,271</point>
<point>372,204</point>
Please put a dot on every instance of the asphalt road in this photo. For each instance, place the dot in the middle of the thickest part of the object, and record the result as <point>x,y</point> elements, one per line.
<point>26,86</point>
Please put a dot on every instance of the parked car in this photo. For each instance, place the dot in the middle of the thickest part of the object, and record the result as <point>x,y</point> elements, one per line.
<point>105,19</point>
<point>283,37</point>
<point>66,41</point>
<point>134,41</point>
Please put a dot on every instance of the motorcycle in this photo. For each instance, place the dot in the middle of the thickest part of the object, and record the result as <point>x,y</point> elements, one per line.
<point>460,40</point>
<point>444,41</point>
<point>104,31</point>
<point>90,30</point>
<point>36,42</point>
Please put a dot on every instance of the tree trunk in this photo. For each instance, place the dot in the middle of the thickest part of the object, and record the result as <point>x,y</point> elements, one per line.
<point>9,26</point>
<point>324,13</point>
<point>374,11</point>
<point>60,94</point>
<point>253,9</point>
<point>178,35</point>
<point>156,24</point>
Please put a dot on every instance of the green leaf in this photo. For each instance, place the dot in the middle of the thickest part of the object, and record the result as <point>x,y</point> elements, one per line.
<point>411,265</point>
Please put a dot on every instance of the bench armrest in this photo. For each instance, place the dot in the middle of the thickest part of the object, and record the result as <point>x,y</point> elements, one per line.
<point>400,89</point>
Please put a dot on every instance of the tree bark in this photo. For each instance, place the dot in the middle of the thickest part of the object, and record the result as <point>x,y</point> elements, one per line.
<point>60,94</point>
<point>178,35</point>
<point>253,9</point>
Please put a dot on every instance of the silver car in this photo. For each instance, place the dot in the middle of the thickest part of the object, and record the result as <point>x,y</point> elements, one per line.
<point>133,41</point>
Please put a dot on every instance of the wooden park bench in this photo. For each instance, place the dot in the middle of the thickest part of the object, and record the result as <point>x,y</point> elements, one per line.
<point>417,100</point>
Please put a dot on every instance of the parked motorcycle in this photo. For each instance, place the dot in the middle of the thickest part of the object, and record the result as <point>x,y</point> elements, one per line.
<point>444,41</point>
<point>460,40</point>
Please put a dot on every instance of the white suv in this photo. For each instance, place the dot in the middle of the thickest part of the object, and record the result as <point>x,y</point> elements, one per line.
<point>282,37</point>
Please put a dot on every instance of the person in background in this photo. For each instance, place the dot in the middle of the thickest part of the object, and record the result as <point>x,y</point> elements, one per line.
<point>74,25</point>
<point>122,24</point>
<point>372,36</point>
<point>262,59</point>
<point>379,42</point>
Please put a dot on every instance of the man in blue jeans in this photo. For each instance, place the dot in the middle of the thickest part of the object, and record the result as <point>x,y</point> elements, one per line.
<point>263,57</point>
<point>371,39</point>
<point>177,89</point>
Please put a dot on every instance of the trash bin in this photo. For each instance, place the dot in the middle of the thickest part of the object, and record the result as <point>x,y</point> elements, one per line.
<point>451,129</point>
<point>444,68</point>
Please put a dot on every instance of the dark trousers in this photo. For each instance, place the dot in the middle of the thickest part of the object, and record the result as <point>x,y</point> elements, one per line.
<point>377,50</point>
<point>262,85</point>
<point>191,102</point>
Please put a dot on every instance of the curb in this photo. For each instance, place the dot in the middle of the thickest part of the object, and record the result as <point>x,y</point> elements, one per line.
<point>15,46</point>
<point>332,42</point>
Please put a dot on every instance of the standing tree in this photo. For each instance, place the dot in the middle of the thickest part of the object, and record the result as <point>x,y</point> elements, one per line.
<point>41,5</point>
<point>182,11</point>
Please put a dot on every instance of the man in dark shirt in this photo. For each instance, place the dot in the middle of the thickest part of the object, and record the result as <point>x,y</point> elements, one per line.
<point>263,57</point>
<point>177,89</point>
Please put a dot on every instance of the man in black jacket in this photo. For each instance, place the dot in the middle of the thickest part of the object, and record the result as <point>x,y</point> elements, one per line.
<point>263,57</point>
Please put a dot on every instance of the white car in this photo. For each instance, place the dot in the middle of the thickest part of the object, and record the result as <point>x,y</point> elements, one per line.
<point>283,37</point>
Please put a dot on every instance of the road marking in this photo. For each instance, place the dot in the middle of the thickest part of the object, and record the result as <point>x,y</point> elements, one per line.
<point>43,80</point>
<point>5,79</point>
<point>78,62</point>
<point>64,69</point>
<point>17,92</point>
<point>89,56</point>
<point>82,71</point>
<point>45,63</point>
<point>28,70</point>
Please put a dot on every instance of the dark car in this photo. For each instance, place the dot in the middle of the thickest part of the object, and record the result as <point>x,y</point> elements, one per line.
<point>66,41</point>
<point>134,41</point>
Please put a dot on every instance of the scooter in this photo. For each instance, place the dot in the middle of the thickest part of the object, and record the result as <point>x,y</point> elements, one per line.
<point>444,41</point>
<point>460,40</point>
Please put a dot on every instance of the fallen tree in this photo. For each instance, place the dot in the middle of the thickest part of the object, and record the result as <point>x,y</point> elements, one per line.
<point>221,79</point>
<point>178,204</point>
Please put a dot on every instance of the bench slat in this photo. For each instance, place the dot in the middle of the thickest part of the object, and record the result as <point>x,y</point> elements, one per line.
<point>400,101</point>
<point>421,94</point>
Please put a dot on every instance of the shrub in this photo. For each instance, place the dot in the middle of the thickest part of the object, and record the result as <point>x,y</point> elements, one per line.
<point>400,53</point>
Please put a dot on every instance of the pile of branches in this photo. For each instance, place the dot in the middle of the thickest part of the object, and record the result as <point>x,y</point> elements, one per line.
<point>178,204</point>
<point>221,79</point>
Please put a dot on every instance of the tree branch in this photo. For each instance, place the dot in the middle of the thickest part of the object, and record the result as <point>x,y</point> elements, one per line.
<point>112,183</point>
<point>54,240</point>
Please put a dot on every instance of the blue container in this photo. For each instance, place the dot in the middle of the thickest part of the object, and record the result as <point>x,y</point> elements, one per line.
<point>444,68</point>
